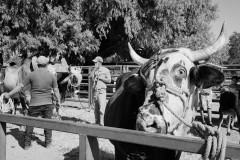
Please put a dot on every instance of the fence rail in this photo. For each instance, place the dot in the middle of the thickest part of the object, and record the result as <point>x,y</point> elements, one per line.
<point>88,134</point>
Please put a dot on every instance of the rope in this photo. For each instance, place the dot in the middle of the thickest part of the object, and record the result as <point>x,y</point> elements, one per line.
<point>65,79</point>
<point>216,141</point>
<point>88,109</point>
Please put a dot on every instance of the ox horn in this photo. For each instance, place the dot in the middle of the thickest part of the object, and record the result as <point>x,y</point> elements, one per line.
<point>136,58</point>
<point>206,52</point>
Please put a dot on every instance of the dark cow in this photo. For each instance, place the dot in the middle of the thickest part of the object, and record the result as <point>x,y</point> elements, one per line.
<point>169,80</point>
<point>228,106</point>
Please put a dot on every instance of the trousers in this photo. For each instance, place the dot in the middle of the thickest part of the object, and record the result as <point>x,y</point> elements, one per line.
<point>100,105</point>
<point>46,111</point>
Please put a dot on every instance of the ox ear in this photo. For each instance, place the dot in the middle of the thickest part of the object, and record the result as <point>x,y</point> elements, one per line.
<point>206,76</point>
<point>133,83</point>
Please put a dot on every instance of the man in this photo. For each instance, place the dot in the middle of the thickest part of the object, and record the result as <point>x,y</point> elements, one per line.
<point>42,82</point>
<point>234,84</point>
<point>205,102</point>
<point>101,76</point>
<point>235,88</point>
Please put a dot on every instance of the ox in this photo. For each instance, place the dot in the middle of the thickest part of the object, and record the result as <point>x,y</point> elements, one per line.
<point>229,105</point>
<point>169,79</point>
<point>15,74</point>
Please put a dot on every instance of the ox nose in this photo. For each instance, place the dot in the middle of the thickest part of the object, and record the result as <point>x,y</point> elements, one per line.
<point>160,90</point>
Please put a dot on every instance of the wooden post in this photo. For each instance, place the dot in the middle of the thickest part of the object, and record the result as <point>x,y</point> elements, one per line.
<point>88,148</point>
<point>3,141</point>
<point>125,68</point>
<point>89,90</point>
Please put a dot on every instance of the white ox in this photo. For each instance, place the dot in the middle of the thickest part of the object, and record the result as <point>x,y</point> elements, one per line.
<point>169,80</point>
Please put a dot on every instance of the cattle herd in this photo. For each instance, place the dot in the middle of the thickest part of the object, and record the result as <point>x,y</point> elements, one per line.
<point>170,79</point>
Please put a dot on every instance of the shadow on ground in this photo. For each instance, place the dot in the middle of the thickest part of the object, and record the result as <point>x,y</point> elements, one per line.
<point>74,155</point>
<point>19,136</point>
<point>74,119</point>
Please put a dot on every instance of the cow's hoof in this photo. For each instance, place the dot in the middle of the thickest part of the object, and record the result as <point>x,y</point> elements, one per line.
<point>228,134</point>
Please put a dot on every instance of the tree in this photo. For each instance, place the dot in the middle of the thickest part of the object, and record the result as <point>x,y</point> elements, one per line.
<point>54,27</point>
<point>82,29</point>
<point>150,25</point>
<point>234,51</point>
<point>221,57</point>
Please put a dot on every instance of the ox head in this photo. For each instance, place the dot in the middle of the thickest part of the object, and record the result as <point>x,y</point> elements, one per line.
<point>170,80</point>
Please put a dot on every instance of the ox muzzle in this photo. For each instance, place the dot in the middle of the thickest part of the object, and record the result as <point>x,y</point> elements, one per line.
<point>150,117</point>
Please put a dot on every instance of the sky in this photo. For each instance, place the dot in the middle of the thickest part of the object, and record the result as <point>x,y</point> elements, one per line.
<point>229,11</point>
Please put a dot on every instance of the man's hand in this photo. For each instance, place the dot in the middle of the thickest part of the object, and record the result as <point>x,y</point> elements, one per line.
<point>58,108</point>
<point>92,73</point>
<point>6,95</point>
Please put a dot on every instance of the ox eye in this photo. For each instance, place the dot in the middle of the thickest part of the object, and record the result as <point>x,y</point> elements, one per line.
<point>178,73</point>
<point>182,72</point>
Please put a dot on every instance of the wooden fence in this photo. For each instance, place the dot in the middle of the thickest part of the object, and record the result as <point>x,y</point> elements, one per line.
<point>88,134</point>
<point>86,85</point>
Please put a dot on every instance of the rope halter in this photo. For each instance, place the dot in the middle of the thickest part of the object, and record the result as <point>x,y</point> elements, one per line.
<point>215,140</point>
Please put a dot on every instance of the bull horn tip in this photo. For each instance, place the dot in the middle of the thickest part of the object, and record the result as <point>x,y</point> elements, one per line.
<point>136,58</point>
<point>223,30</point>
<point>129,45</point>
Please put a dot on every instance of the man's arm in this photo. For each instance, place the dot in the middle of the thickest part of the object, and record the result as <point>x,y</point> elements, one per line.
<point>106,77</point>
<point>25,82</point>
<point>91,74</point>
<point>56,92</point>
<point>15,90</point>
<point>55,89</point>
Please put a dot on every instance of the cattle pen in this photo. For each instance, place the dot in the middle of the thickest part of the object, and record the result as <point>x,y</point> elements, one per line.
<point>88,134</point>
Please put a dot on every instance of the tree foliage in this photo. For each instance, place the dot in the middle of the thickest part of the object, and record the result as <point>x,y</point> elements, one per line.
<point>221,57</point>
<point>45,27</point>
<point>82,29</point>
<point>234,51</point>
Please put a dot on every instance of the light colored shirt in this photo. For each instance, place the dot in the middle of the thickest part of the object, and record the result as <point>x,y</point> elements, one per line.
<point>101,72</point>
<point>42,82</point>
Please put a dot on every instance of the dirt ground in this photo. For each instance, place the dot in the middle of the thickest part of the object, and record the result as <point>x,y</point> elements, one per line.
<point>65,145</point>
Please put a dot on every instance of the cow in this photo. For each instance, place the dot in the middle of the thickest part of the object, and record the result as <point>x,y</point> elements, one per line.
<point>18,69</point>
<point>229,106</point>
<point>170,79</point>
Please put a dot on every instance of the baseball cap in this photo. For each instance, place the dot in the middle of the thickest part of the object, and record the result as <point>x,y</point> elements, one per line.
<point>98,59</point>
<point>42,60</point>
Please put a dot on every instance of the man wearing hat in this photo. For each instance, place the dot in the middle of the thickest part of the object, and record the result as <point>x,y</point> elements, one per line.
<point>101,76</point>
<point>42,82</point>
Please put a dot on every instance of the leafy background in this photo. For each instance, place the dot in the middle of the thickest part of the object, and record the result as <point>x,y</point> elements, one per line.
<point>82,29</point>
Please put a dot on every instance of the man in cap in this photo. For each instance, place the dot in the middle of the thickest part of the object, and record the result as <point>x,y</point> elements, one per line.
<point>206,103</point>
<point>101,76</point>
<point>42,82</point>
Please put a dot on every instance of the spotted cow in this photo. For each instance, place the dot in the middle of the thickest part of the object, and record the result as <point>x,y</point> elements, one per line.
<point>169,80</point>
